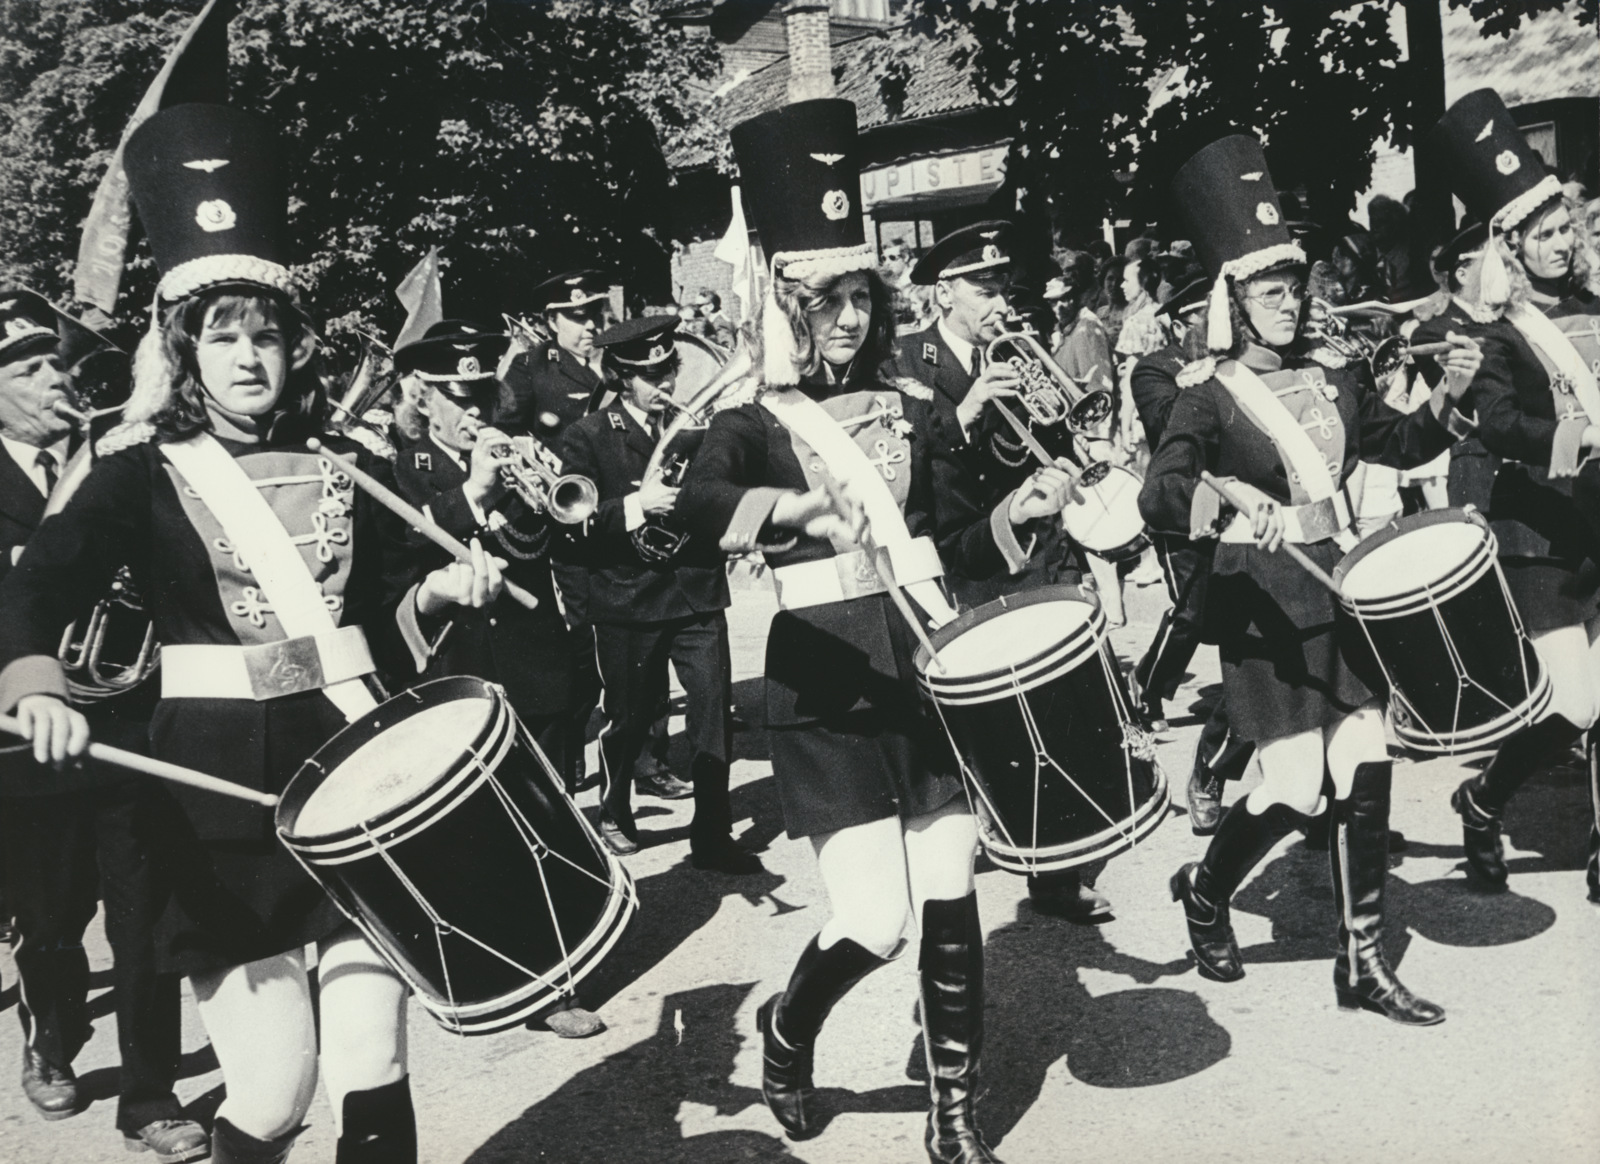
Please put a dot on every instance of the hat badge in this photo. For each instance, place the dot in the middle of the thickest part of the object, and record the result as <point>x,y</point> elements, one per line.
<point>468,366</point>
<point>1507,162</point>
<point>1267,213</point>
<point>835,204</point>
<point>991,253</point>
<point>829,159</point>
<point>207,165</point>
<point>577,295</point>
<point>16,327</point>
<point>1486,132</point>
<point>657,352</point>
<point>215,214</point>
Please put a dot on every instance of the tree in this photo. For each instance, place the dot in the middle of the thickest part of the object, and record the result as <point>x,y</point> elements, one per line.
<point>523,136</point>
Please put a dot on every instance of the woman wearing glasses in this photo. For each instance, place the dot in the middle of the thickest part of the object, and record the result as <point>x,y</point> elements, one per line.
<point>1283,423</point>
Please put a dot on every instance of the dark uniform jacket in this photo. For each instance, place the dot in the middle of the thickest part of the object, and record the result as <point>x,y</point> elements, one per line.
<point>1472,466</point>
<point>526,651</point>
<point>544,391</point>
<point>612,449</point>
<point>1154,387</point>
<point>924,356</point>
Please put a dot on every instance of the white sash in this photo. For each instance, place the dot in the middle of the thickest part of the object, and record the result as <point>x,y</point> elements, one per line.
<point>1299,452</point>
<point>845,459</point>
<point>1540,331</point>
<point>263,543</point>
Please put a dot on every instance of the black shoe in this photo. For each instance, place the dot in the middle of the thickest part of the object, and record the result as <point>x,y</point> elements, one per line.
<point>1067,897</point>
<point>1319,832</point>
<point>1592,769</point>
<point>951,978</point>
<point>725,856</point>
<point>1205,800</point>
<point>1362,976</point>
<point>51,1089</point>
<point>616,840</point>
<point>379,1126</point>
<point>172,1141</point>
<point>1480,836</point>
<point>231,1146</point>
<point>664,785</point>
<point>1216,950</point>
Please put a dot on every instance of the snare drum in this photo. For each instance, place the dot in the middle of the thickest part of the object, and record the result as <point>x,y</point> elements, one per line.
<point>440,829</point>
<point>1108,523</point>
<point>1038,712</point>
<point>1429,596</point>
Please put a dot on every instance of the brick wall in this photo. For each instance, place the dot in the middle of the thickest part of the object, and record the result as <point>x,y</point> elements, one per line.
<point>695,268</point>
<point>810,61</point>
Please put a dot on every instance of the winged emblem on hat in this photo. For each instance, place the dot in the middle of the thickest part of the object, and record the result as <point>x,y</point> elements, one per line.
<point>1507,162</point>
<point>1252,176</point>
<point>1486,132</point>
<point>988,234</point>
<point>209,165</point>
<point>8,305</point>
<point>829,159</point>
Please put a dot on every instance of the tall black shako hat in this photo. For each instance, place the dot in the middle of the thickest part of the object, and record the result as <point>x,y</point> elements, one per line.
<point>1230,206</point>
<point>452,351</point>
<point>979,249</point>
<point>642,342</point>
<point>800,172</point>
<point>1499,177</point>
<point>210,187</point>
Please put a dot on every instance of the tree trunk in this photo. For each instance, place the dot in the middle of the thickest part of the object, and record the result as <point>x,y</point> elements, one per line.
<point>1432,216</point>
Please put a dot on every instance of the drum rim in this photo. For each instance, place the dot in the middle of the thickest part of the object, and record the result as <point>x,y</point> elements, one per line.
<point>967,620</point>
<point>315,771</point>
<point>1108,842</point>
<point>1122,550</point>
<point>1417,597</point>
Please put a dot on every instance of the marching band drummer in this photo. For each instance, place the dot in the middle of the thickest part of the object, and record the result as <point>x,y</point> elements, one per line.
<point>862,770</point>
<point>1524,284</point>
<point>273,587</point>
<point>1284,425</point>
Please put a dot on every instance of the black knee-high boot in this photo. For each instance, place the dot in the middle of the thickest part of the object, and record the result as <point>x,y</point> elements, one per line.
<point>790,1023</point>
<point>951,971</point>
<point>1481,799</point>
<point>1593,870</point>
<point>380,1126</point>
<point>1206,886</point>
<point>231,1146</point>
<point>1362,977</point>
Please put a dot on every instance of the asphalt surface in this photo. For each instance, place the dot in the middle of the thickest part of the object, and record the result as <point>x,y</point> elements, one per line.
<point>1103,1042</point>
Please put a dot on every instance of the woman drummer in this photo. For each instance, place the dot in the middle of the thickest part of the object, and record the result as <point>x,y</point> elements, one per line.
<point>861,770</point>
<point>226,394</point>
<point>1283,424</point>
<point>1523,282</point>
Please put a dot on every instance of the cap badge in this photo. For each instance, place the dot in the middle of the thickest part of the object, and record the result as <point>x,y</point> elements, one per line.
<point>1507,162</point>
<point>577,294</point>
<point>828,159</point>
<point>209,165</point>
<point>549,419</point>
<point>1267,213</point>
<point>988,234</point>
<point>835,204</point>
<point>1486,132</point>
<point>1252,176</point>
<point>213,215</point>
<point>657,352</point>
<point>16,327</point>
<point>991,253</point>
<point>468,366</point>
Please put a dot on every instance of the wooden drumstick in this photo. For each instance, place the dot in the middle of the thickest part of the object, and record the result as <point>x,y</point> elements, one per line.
<point>414,517</point>
<point>1293,550</point>
<point>1437,349</point>
<point>178,774</point>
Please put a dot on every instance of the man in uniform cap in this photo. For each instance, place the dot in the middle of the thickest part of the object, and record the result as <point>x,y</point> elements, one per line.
<point>67,838</point>
<point>653,597</point>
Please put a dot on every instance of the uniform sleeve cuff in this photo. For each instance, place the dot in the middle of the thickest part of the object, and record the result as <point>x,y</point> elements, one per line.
<point>632,512</point>
<point>1566,451</point>
<point>31,675</point>
<point>410,620</point>
<point>1005,536</point>
<point>749,519</point>
<point>1460,426</point>
<point>1205,512</point>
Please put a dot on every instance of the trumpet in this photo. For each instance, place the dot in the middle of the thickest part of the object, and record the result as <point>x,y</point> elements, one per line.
<point>1049,395</point>
<point>567,498</point>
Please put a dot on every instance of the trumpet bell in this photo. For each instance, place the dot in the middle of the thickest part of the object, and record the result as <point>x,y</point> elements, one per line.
<point>1091,412</point>
<point>573,499</point>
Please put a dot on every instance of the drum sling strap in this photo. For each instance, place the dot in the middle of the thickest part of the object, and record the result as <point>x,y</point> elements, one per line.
<point>1572,381</point>
<point>846,461</point>
<point>261,540</point>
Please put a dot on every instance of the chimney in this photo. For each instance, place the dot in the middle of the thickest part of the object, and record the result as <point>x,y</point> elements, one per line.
<point>805,23</point>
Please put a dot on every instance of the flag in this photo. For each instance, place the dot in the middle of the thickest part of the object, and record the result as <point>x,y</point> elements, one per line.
<point>195,70</point>
<point>736,251</point>
<point>420,295</point>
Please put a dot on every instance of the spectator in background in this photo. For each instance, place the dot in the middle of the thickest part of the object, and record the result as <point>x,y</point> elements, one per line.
<point>912,307</point>
<point>1391,240</point>
<point>714,322</point>
<point>1356,265</point>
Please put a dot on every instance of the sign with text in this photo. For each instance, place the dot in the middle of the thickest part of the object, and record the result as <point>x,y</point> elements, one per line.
<point>949,178</point>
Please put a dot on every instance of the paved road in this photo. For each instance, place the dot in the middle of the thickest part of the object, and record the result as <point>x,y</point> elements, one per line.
<point>1104,1044</point>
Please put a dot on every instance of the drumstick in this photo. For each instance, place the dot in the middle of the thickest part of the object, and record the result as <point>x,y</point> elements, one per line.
<point>413,516</point>
<point>106,754</point>
<point>1437,349</point>
<point>1293,550</point>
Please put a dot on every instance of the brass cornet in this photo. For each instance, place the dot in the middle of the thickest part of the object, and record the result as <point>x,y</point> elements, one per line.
<point>1048,394</point>
<point>567,498</point>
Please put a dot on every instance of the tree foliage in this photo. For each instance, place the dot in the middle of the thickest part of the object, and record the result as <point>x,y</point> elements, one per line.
<point>524,136</point>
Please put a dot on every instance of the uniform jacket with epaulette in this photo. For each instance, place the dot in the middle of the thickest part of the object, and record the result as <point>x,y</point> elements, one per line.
<point>545,390</point>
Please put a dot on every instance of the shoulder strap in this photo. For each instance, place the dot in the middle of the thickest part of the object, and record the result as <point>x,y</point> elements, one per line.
<point>261,540</point>
<point>1551,343</point>
<point>1299,452</point>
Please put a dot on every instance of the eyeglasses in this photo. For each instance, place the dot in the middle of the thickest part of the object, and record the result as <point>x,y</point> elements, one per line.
<point>1272,298</point>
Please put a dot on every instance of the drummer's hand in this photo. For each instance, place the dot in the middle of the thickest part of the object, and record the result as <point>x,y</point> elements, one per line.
<point>1460,366</point>
<point>999,379</point>
<point>476,584</point>
<point>1266,516</point>
<point>57,730</point>
<point>1047,492</point>
<point>485,485</point>
<point>831,512</point>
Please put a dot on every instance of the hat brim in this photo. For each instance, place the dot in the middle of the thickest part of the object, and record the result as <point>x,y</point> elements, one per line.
<point>17,346</point>
<point>1190,295</point>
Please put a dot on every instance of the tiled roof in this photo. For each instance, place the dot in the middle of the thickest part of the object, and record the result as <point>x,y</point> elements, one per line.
<point>1549,57</point>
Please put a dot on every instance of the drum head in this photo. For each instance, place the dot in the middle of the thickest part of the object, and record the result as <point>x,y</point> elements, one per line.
<point>1012,638</point>
<point>1409,560</point>
<point>394,768</point>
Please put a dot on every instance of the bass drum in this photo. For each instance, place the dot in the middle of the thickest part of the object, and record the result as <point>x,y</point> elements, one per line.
<point>699,362</point>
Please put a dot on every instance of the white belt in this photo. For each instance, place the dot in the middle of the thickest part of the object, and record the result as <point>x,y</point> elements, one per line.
<point>1314,521</point>
<point>266,671</point>
<point>846,576</point>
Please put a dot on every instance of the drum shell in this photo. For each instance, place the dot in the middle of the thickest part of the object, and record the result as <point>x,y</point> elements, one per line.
<point>1117,532</point>
<point>1099,789</point>
<point>497,851</point>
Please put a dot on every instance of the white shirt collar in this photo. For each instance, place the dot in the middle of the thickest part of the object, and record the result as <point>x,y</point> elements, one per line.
<point>640,417</point>
<point>27,457</point>
<point>959,347</point>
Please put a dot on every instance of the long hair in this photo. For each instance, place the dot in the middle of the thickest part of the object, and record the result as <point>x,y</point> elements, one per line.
<point>796,297</point>
<point>167,388</point>
<point>1194,340</point>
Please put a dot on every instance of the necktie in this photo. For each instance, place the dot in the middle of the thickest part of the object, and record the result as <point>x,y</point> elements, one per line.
<point>46,460</point>
<point>977,361</point>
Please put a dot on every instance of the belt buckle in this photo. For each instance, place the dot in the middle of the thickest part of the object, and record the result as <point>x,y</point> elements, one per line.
<point>284,668</point>
<point>1318,520</point>
<point>857,577</point>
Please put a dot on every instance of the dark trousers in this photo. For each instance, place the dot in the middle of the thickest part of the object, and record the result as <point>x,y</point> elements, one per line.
<point>56,850</point>
<point>633,666</point>
<point>1187,567</point>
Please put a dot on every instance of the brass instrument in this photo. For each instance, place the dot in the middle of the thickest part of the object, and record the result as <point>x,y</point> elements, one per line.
<point>1048,394</point>
<point>527,472</point>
